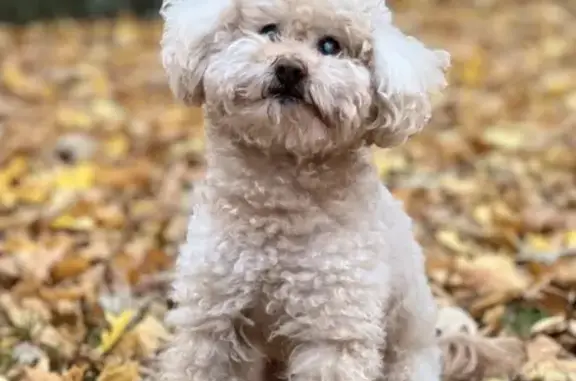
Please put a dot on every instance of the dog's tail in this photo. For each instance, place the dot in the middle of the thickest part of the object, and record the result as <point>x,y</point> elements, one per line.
<point>469,357</point>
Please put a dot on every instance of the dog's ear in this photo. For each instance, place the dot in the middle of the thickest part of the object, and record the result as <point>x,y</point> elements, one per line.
<point>191,30</point>
<point>405,73</point>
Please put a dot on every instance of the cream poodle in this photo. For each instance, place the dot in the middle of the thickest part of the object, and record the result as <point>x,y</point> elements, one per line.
<point>295,251</point>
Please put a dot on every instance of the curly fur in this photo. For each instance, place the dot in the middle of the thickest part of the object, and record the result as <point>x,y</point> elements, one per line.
<point>295,251</point>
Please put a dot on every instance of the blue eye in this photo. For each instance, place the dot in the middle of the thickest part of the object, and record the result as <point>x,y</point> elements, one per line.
<point>329,46</point>
<point>270,30</point>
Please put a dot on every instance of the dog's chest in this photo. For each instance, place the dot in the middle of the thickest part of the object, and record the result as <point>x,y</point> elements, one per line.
<point>265,317</point>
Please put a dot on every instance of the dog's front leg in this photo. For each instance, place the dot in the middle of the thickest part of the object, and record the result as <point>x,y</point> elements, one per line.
<point>412,353</point>
<point>335,331</point>
<point>208,344</point>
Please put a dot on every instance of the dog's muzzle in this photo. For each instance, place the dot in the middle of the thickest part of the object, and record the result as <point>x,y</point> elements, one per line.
<point>289,77</point>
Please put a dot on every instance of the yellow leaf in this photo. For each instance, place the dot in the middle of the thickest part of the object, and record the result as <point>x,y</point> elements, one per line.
<point>96,81</point>
<point>141,341</point>
<point>504,137</point>
<point>458,185</point>
<point>73,118</point>
<point>79,177</point>
<point>472,70</point>
<point>120,372</point>
<point>118,325</point>
<point>66,221</point>
<point>539,243</point>
<point>482,214</point>
<point>558,82</point>
<point>34,190</point>
<point>17,81</point>
<point>15,168</point>
<point>108,111</point>
<point>33,195</point>
<point>117,146</point>
<point>452,241</point>
<point>570,238</point>
<point>8,199</point>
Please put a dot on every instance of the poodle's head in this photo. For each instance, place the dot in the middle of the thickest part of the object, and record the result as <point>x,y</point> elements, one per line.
<point>304,76</point>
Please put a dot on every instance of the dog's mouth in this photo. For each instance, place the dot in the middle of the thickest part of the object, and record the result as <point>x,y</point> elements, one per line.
<point>295,96</point>
<point>287,95</point>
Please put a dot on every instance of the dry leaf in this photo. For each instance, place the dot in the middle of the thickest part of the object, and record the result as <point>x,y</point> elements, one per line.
<point>75,373</point>
<point>151,333</point>
<point>78,177</point>
<point>451,240</point>
<point>564,271</point>
<point>493,274</point>
<point>69,267</point>
<point>118,325</point>
<point>33,374</point>
<point>123,372</point>
<point>506,137</point>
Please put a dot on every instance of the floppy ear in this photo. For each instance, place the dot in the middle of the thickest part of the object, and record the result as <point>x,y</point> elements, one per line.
<point>190,32</point>
<point>405,73</point>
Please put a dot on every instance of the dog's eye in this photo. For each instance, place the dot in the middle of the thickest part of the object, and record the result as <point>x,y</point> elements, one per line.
<point>329,46</point>
<point>270,30</point>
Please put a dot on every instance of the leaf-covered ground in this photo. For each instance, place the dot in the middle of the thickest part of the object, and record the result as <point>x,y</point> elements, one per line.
<point>96,161</point>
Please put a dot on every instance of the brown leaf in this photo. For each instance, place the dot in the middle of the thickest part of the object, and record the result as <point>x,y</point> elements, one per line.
<point>124,372</point>
<point>33,374</point>
<point>69,267</point>
<point>493,275</point>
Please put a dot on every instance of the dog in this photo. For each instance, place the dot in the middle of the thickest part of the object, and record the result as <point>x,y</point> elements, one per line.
<point>295,252</point>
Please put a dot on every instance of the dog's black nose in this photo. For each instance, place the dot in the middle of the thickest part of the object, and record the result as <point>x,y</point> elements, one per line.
<point>289,72</point>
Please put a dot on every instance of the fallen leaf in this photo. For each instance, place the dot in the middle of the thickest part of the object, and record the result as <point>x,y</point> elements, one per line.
<point>509,138</point>
<point>75,373</point>
<point>151,333</point>
<point>73,118</point>
<point>33,374</point>
<point>472,69</point>
<point>69,267</point>
<point>564,271</point>
<point>123,372</point>
<point>21,83</point>
<point>493,274</point>
<point>451,240</point>
<point>118,325</point>
<point>79,177</point>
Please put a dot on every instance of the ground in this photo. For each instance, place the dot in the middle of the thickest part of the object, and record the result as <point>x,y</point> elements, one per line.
<point>96,161</point>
